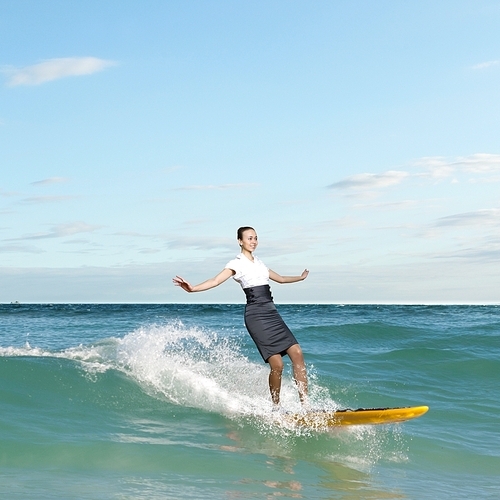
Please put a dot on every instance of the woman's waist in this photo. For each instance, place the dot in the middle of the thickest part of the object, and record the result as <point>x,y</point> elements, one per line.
<point>256,294</point>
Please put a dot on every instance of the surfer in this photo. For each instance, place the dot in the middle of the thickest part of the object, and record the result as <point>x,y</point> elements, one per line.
<point>271,335</point>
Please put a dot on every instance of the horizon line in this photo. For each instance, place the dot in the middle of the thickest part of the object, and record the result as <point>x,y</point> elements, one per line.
<point>278,303</point>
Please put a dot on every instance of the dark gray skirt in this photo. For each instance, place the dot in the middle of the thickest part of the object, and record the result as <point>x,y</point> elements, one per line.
<point>264,323</point>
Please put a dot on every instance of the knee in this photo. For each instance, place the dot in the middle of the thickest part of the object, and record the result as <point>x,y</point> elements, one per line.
<point>295,354</point>
<point>276,365</point>
<point>277,368</point>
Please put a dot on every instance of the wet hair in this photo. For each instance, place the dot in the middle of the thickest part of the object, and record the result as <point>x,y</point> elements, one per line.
<point>241,230</point>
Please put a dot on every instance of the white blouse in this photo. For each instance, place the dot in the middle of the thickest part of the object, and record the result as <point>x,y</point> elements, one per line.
<point>248,273</point>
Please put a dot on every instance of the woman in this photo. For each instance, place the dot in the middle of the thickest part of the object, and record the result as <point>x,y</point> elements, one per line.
<point>266,327</point>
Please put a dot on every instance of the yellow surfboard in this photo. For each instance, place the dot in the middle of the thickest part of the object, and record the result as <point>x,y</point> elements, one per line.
<point>361,416</point>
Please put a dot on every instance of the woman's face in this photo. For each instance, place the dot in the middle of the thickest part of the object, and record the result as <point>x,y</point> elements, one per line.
<point>249,241</point>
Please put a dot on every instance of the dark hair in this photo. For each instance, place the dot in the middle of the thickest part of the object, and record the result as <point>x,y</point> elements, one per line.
<point>241,230</point>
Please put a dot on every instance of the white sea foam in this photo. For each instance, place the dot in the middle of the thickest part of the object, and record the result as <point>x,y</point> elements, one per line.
<point>194,367</point>
<point>90,357</point>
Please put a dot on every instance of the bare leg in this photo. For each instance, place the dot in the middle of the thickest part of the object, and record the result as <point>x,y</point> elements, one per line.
<point>299,371</point>
<point>276,363</point>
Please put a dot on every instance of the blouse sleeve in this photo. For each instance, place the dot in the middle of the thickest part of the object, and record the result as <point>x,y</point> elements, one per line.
<point>234,265</point>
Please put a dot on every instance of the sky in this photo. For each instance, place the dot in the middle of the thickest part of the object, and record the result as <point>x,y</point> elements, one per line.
<point>359,138</point>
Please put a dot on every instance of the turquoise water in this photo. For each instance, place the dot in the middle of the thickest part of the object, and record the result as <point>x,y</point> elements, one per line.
<point>171,402</point>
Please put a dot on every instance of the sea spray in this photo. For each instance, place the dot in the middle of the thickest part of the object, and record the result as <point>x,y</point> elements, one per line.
<point>192,367</point>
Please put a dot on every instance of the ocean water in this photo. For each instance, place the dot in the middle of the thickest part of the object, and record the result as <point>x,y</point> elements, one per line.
<point>171,402</point>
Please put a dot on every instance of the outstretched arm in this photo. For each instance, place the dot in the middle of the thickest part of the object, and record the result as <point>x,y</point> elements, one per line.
<point>288,279</point>
<point>224,275</point>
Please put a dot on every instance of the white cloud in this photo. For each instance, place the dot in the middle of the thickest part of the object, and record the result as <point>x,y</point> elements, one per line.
<point>149,250</point>
<point>50,180</point>
<point>434,167</point>
<point>490,253</point>
<point>486,64</point>
<point>35,200</point>
<point>480,163</point>
<point>8,194</point>
<point>341,222</point>
<point>19,249</point>
<point>201,243</point>
<point>395,205</point>
<point>60,231</point>
<point>209,187</point>
<point>371,181</point>
<point>132,234</point>
<point>438,166</point>
<point>478,218</point>
<point>79,241</point>
<point>54,69</point>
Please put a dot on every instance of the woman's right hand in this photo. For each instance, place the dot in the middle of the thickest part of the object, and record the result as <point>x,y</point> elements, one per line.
<point>206,285</point>
<point>178,281</point>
